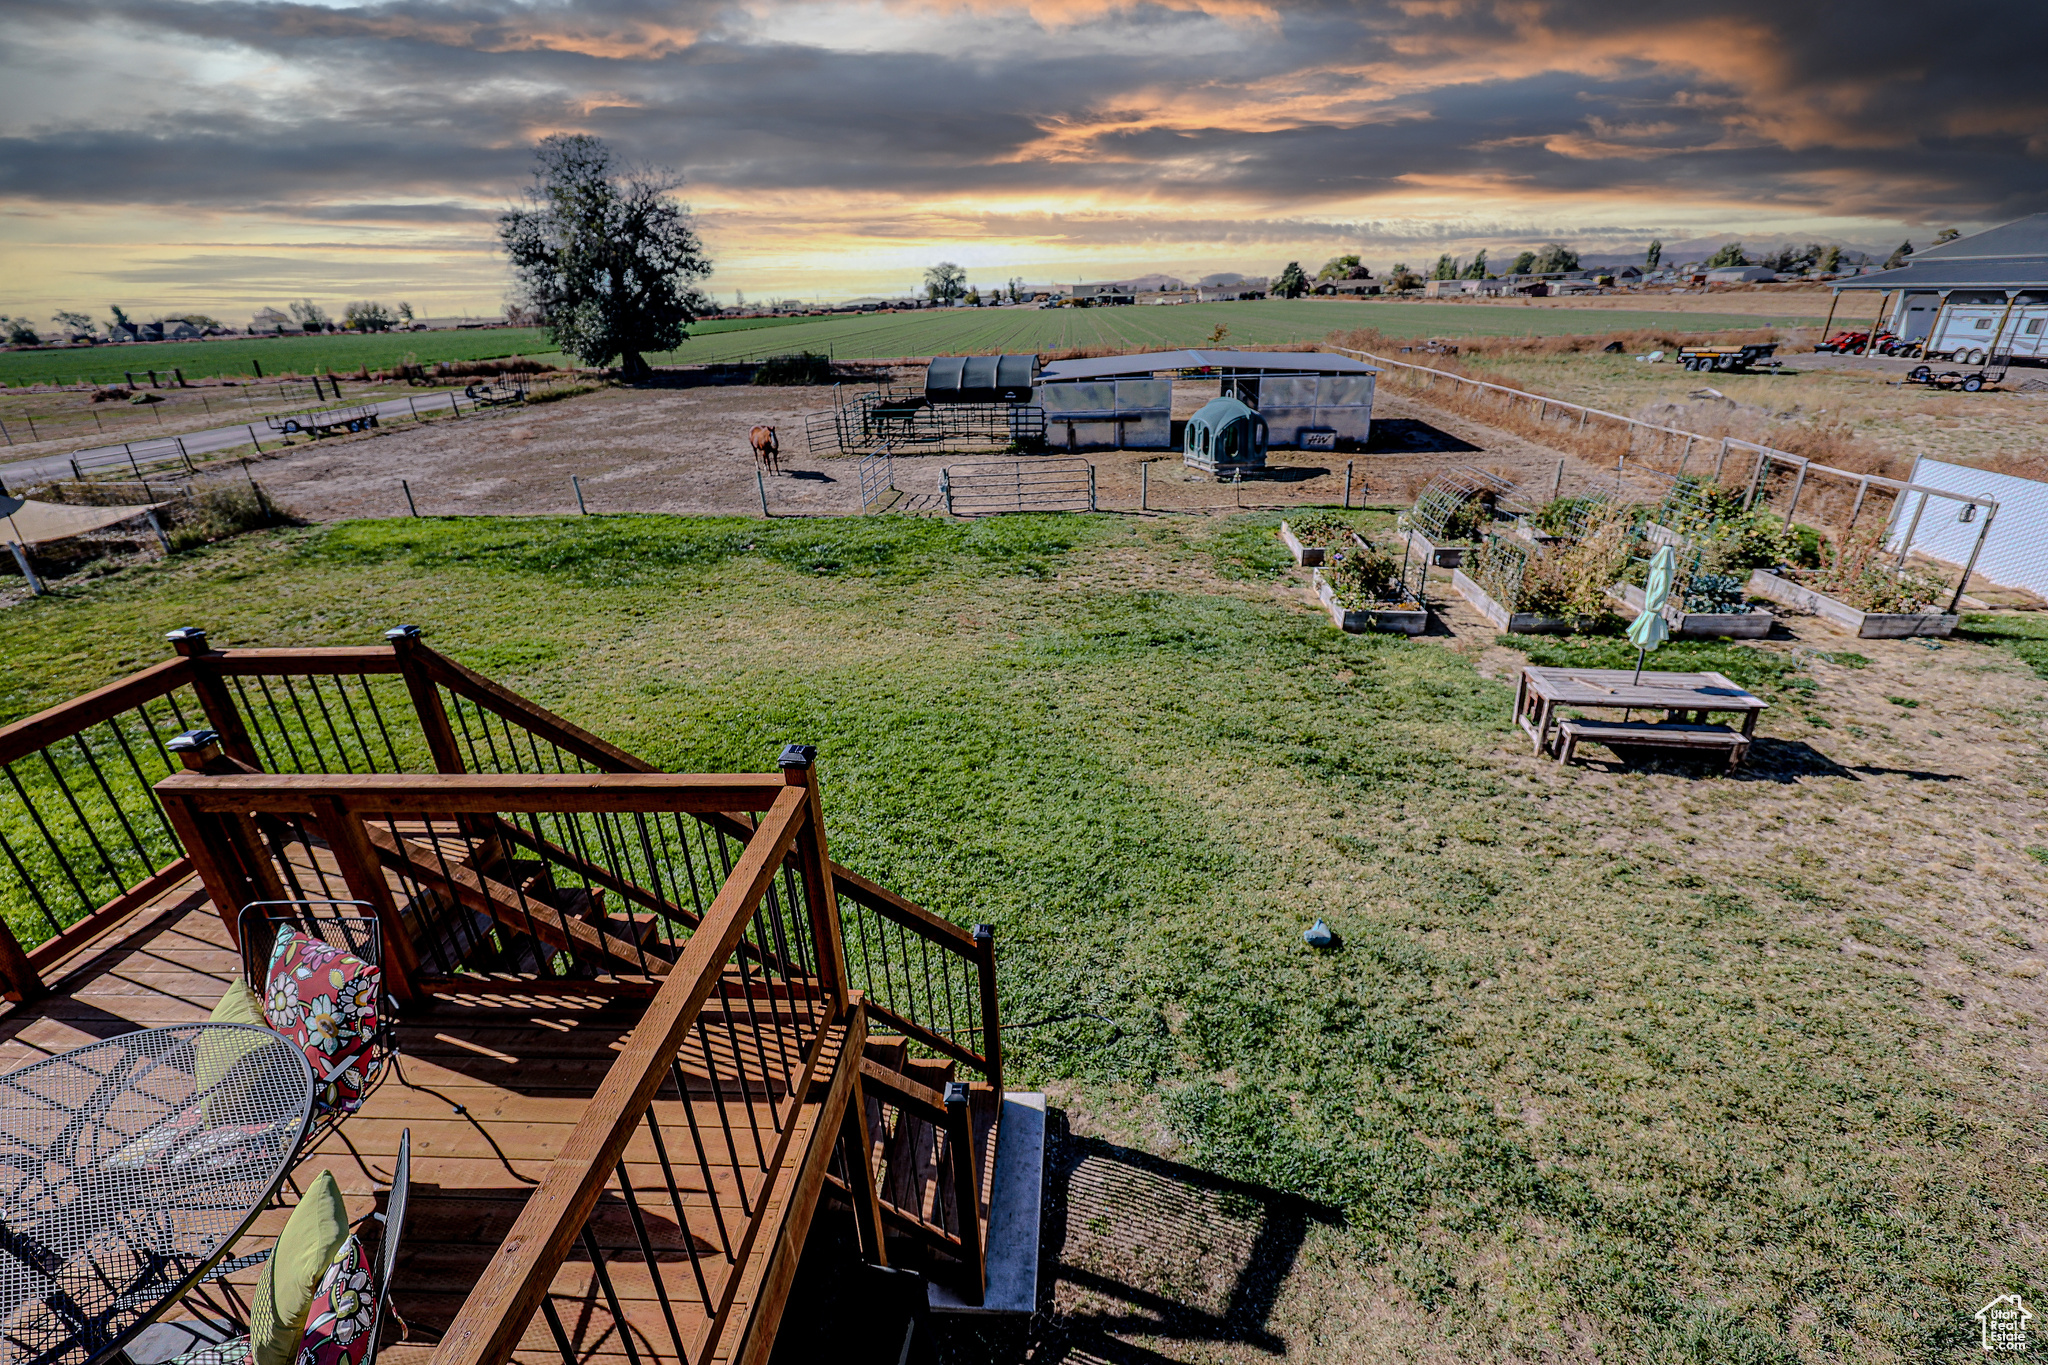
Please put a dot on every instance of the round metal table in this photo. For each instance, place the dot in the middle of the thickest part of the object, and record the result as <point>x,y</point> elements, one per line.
<point>127,1167</point>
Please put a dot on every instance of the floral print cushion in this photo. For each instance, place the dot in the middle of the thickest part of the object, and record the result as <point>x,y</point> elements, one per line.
<point>234,1352</point>
<point>325,1000</point>
<point>344,1310</point>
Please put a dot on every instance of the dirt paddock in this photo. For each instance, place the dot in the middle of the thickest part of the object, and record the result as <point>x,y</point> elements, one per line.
<point>686,452</point>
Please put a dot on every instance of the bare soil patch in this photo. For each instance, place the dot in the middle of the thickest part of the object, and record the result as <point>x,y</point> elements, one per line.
<point>686,452</point>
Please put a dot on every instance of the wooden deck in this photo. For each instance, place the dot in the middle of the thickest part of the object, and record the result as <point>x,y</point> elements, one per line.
<point>521,1072</point>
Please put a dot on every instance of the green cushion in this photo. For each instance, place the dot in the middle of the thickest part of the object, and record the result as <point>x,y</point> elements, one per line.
<point>290,1278</point>
<point>239,1005</point>
<point>216,1056</point>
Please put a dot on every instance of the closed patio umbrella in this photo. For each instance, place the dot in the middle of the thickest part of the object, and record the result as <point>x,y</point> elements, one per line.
<point>1648,630</point>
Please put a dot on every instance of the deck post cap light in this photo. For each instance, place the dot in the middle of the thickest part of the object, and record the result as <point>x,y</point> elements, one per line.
<point>188,640</point>
<point>191,740</point>
<point>397,633</point>
<point>956,1093</point>
<point>797,756</point>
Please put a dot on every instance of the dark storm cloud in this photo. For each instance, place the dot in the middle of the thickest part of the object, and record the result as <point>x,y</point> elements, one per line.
<point>1881,110</point>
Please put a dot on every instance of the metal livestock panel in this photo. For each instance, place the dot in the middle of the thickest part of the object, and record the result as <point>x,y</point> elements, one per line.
<point>985,487</point>
<point>1109,414</point>
<point>2016,548</point>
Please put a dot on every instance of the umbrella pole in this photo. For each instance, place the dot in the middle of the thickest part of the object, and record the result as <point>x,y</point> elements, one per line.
<point>1641,654</point>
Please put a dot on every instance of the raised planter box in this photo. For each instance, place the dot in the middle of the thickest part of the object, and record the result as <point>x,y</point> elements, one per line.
<point>1442,556</point>
<point>1308,556</point>
<point>1516,622</point>
<point>1753,624</point>
<point>1868,625</point>
<point>1391,620</point>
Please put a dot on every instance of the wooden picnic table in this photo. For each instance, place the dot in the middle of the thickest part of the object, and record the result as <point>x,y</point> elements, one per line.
<point>1541,691</point>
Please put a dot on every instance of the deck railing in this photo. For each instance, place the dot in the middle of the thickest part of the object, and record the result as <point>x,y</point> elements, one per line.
<point>83,840</point>
<point>751,1010</point>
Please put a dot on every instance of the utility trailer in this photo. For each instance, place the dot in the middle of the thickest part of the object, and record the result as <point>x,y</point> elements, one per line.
<point>1732,359</point>
<point>331,422</point>
<point>1989,375</point>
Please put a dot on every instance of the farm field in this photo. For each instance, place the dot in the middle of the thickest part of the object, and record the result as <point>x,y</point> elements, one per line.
<point>1630,1064</point>
<point>1251,323</point>
<point>237,356</point>
<point>1818,396</point>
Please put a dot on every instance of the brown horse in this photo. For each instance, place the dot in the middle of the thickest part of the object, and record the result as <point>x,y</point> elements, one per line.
<point>767,450</point>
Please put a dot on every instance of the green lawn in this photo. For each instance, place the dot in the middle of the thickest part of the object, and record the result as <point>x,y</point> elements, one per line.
<point>1572,1100</point>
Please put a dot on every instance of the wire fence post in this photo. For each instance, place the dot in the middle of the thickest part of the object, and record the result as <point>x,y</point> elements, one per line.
<point>10,436</point>
<point>1144,485</point>
<point>35,585</point>
<point>411,506</point>
<point>30,418</point>
<point>1091,488</point>
<point>577,484</point>
<point>1347,484</point>
<point>129,450</point>
<point>410,408</point>
<point>761,484</point>
<point>184,455</point>
<point>1557,483</point>
<point>158,527</point>
<point>252,439</point>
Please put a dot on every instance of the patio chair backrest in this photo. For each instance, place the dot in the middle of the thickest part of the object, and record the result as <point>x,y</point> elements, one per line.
<point>394,1232</point>
<point>358,934</point>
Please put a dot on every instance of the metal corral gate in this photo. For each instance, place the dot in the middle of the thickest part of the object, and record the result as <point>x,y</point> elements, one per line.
<point>986,487</point>
<point>877,476</point>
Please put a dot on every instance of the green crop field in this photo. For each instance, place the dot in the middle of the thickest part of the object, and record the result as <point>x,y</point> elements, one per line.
<point>976,331</point>
<point>983,331</point>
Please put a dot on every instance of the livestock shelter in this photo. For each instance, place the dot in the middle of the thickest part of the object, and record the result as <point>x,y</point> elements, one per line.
<point>1307,399</point>
<point>1968,298</point>
<point>1225,436</point>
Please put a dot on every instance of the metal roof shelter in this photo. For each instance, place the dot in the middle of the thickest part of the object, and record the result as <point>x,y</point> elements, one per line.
<point>1228,362</point>
<point>979,378</point>
<point>1987,270</point>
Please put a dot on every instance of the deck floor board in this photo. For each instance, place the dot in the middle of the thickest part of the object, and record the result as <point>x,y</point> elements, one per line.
<point>522,1069</point>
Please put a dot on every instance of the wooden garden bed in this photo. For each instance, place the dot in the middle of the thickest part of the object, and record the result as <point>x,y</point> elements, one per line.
<point>1441,556</point>
<point>1515,622</point>
<point>1308,556</point>
<point>1393,618</point>
<point>1867,625</point>
<point>1753,624</point>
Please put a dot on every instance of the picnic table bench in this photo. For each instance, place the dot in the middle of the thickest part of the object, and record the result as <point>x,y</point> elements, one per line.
<point>330,422</point>
<point>1686,700</point>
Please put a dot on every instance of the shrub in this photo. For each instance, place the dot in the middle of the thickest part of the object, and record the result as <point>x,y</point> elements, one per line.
<point>1320,528</point>
<point>1857,570</point>
<point>222,511</point>
<point>805,367</point>
<point>1362,576</point>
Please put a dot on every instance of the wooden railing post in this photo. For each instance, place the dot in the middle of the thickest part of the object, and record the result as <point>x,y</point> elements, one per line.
<point>991,1022</point>
<point>226,850</point>
<point>966,1190</point>
<point>364,873</point>
<point>22,981</point>
<point>222,715</point>
<point>426,699</point>
<point>797,763</point>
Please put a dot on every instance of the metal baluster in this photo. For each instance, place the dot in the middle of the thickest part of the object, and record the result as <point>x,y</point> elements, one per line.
<point>675,1196</point>
<point>312,737</point>
<point>377,714</point>
<point>284,734</point>
<point>256,730</point>
<point>348,710</point>
<point>746,1095</point>
<point>754,1023</point>
<point>141,854</point>
<point>718,1097</point>
<point>469,740</point>
<point>34,891</point>
<point>675,1071</point>
<point>653,1266</point>
<point>136,768</point>
<point>91,834</point>
<point>547,1310</point>
<point>320,703</point>
<point>420,896</point>
<point>611,1295</point>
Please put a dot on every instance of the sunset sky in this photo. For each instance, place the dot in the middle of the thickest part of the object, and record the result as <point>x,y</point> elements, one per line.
<point>221,155</point>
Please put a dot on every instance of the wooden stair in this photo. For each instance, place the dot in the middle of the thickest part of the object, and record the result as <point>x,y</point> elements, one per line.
<point>910,1156</point>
